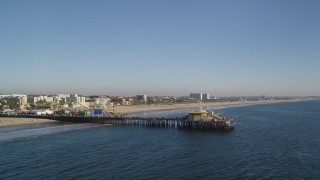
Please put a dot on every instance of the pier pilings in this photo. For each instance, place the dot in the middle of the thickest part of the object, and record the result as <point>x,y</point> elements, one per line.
<point>156,122</point>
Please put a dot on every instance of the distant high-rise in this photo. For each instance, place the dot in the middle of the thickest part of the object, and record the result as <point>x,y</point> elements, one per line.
<point>196,96</point>
<point>205,96</point>
<point>141,97</point>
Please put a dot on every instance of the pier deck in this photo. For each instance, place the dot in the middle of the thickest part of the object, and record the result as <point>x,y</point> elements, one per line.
<point>161,122</point>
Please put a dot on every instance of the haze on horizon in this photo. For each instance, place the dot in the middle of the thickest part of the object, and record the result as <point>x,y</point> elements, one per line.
<point>170,47</point>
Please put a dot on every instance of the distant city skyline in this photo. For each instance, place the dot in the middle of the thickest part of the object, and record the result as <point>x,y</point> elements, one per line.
<point>224,48</point>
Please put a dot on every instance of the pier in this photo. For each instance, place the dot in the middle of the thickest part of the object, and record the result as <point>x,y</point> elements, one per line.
<point>157,122</point>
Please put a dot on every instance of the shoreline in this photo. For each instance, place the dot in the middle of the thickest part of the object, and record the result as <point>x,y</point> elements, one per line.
<point>148,108</point>
<point>14,121</point>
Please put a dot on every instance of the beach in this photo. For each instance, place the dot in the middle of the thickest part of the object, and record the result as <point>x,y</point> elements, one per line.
<point>12,121</point>
<point>144,108</point>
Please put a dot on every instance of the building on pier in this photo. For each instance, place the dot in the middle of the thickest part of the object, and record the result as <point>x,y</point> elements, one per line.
<point>198,115</point>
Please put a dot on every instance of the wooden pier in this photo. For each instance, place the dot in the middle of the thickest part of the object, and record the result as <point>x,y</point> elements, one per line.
<point>159,122</point>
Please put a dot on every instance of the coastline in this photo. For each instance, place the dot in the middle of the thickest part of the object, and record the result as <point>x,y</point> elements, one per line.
<point>146,108</point>
<point>14,121</point>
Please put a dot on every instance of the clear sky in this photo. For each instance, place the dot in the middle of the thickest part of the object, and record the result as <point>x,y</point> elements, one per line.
<point>160,47</point>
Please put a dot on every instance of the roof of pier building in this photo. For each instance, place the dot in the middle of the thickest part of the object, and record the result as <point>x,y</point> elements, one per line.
<point>198,112</point>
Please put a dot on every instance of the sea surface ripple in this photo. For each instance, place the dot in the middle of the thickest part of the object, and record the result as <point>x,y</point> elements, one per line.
<point>270,141</point>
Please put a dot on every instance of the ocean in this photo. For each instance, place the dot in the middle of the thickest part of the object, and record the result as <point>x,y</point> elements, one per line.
<point>270,141</point>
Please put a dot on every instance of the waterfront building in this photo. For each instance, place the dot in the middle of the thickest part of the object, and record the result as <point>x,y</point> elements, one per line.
<point>141,97</point>
<point>102,102</point>
<point>197,115</point>
<point>61,98</point>
<point>35,99</point>
<point>74,98</point>
<point>205,96</point>
<point>77,100</point>
<point>41,112</point>
<point>3,96</point>
<point>19,99</point>
<point>121,101</point>
<point>196,96</point>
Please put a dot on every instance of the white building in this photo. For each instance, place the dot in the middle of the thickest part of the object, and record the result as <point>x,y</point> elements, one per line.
<point>205,96</point>
<point>19,99</point>
<point>141,97</point>
<point>196,96</point>
<point>78,101</point>
<point>35,99</point>
<point>3,96</point>
<point>41,112</point>
<point>103,102</point>
<point>61,98</point>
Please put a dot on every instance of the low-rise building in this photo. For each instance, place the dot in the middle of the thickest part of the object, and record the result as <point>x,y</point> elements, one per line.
<point>77,100</point>
<point>103,102</point>
<point>35,99</point>
<point>197,115</point>
<point>19,100</point>
<point>61,98</point>
<point>40,112</point>
<point>121,101</point>
<point>74,98</point>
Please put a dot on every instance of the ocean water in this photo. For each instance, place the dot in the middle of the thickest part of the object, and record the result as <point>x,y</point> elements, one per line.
<point>270,141</point>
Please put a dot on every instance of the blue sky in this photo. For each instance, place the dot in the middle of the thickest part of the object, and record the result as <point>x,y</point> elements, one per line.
<point>164,47</point>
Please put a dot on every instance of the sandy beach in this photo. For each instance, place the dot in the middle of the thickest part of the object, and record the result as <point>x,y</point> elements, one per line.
<point>144,108</point>
<point>12,121</point>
